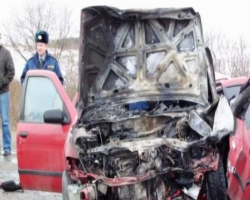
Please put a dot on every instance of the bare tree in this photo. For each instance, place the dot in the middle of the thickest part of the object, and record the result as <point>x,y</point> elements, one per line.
<point>57,21</point>
<point>71,72</point>
<point>39,15</point>
<point>231,56</point>
<point>20,35</point>
<point>240,59</point>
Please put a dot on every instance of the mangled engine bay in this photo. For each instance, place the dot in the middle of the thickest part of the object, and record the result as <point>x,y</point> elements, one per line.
<point>150,116</point>
<point>152,157</point>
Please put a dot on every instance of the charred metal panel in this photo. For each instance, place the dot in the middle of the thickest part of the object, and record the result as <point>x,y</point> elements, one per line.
<point>141,54</point>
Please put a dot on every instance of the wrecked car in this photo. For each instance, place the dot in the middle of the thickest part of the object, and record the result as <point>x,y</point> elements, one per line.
<point>148,124</point>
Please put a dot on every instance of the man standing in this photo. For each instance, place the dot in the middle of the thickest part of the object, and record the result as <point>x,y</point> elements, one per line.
<point>42,59</point>
<point>7,73</point>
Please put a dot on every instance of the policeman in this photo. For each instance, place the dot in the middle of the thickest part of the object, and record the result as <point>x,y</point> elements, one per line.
<point>42,59</point>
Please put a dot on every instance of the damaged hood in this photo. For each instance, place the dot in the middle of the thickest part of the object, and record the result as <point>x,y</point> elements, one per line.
<point>141,55</point>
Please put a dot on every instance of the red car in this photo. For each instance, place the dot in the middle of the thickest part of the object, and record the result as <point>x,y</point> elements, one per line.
<point>238,160</point>
<point>148,122</point>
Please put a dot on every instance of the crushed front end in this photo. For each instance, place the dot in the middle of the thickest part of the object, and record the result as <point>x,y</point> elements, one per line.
<point>150,118</point>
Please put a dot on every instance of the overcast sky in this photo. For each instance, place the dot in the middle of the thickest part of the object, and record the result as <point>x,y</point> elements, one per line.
<point>230,17</point>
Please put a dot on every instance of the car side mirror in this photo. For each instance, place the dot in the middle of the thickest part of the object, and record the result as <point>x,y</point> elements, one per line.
<point>53,116</point>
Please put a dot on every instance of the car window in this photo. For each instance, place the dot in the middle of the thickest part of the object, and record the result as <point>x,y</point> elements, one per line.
<point>41,95</point>
<point>231,91</point>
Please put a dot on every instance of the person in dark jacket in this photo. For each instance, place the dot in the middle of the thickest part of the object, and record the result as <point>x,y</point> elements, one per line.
<point>42,59</point>
<point>7,73</point>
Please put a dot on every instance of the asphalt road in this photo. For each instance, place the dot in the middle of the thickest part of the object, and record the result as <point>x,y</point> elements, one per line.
<point>8,171</point>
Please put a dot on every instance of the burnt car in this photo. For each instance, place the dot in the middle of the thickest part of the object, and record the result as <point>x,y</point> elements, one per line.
<point>149,115</point>
<point>149,123</point>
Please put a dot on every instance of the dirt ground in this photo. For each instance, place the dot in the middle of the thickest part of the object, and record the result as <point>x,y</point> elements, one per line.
<point>8,171</point>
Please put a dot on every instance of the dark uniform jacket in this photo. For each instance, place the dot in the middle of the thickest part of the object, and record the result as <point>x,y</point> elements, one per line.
<point>7,69</point>
<point>50,63</point>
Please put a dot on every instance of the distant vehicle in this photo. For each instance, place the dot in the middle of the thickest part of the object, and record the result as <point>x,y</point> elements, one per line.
<point>230,87</point>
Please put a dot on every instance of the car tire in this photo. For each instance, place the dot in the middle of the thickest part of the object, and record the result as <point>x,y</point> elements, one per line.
<point>216,184</point>
<point>66,180</point>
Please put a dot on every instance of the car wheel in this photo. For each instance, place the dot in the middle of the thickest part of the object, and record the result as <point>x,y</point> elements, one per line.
<point>66,180</point>
<point>216,184</point>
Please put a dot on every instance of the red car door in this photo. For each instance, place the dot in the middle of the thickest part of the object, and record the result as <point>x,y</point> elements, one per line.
<point>239,163</point>
<point>238,167</point>
<point>40,142</point>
